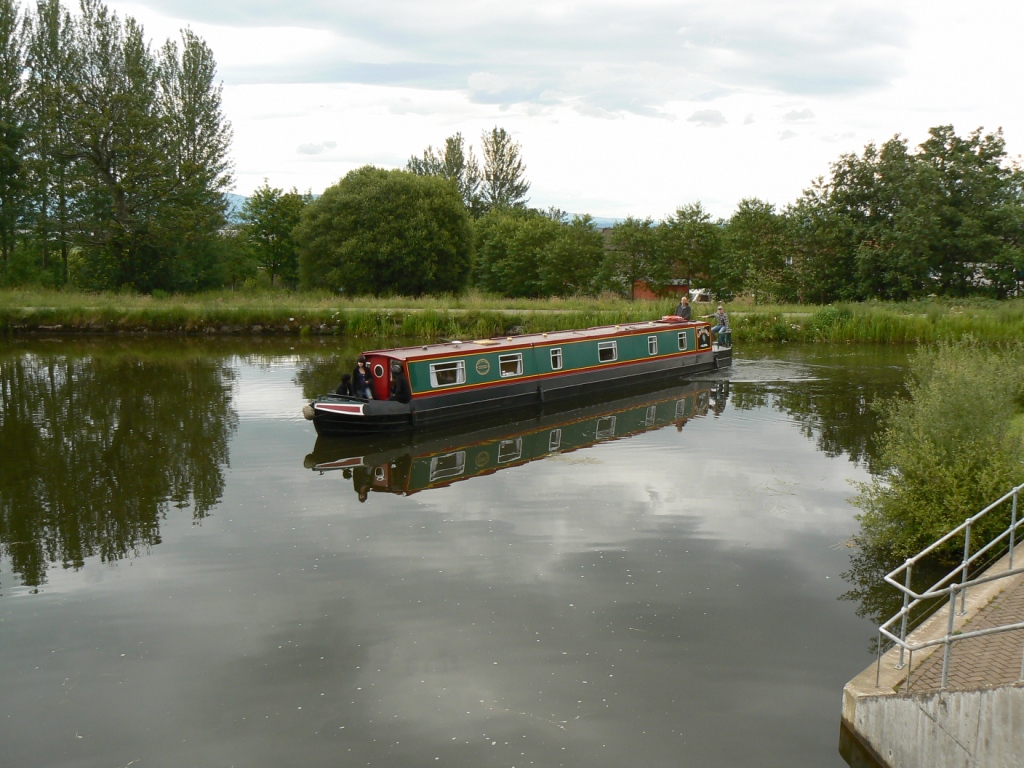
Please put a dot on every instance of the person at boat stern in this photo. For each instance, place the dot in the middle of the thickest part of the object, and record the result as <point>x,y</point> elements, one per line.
<point>362,379</point>
<point>345,388</point>
<point>400,391</point>
<point>721,321</point>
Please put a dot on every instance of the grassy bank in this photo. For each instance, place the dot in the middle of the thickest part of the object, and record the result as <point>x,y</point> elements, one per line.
<point>476,315</point>
<point>883,323</point>
<point>308,313</point>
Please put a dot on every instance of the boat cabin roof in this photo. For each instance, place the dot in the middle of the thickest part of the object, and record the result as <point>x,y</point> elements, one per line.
<point>531,339</point>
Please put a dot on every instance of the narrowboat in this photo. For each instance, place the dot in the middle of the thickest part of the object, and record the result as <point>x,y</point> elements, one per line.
<point>458,380</point>
<point>418,463</point>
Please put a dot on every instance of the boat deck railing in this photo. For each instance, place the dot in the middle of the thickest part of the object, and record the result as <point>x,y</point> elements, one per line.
<point>952,586</point>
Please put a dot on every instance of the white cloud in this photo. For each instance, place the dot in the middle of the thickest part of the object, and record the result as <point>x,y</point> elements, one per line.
<point>710,117</point>
<point>316,149</point>
<point>608,98</point>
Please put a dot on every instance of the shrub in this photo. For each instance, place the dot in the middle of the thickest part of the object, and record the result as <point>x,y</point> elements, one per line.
<point>949,450</point>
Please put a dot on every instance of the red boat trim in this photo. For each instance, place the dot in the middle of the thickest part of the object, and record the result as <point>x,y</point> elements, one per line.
<point>353,409</point>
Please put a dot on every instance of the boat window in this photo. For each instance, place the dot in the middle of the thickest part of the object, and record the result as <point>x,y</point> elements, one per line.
<point>555,440</point>
<point>682,411</point>
<point>378,371</point>
<point>379,474</point>
<point>448,465</point>
<point>652,414</point>
<point>607,351</point>
<point>682,340</point>
<point>510,450</point>
<point>556,359</point>
<point>652,345</point>
<point>448,374</point>
<point>510,365</point>
<point>605,427</point>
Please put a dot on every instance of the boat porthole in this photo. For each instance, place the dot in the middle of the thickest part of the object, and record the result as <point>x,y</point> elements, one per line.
<point>378,371</point>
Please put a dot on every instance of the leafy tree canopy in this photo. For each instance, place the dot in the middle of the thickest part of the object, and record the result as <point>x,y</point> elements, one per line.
<point>269,218</point>
<point>386,232</point>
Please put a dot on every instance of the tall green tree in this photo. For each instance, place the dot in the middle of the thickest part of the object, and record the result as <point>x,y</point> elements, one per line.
<point>269,218</point>
<point>198,138</point>
<point>758,253</point>
<point>877,200</point>
<point>118,138</point>
<point>386,232</point>
<point>691,249</point>
<point>54,181</point>
<point>457,163</point>
<point>572,264</point>
<point>823,259</point>
<point>512,246</point>
<point>12,130</point>
<point>504,173</point>
<point>633,255</point>
<point>148,144</point>
<point>967,187</point>
<point>893,223</point>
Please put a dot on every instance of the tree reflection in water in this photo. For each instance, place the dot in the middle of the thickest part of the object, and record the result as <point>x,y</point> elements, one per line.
<point>837,413</point>
<point>879,601</point>
<point>98,446</point>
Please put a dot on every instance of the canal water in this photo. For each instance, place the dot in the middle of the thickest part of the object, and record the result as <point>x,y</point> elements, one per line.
<point>188,577</point>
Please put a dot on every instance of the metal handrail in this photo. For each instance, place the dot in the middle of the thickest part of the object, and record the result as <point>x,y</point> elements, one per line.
<point>944,588</point>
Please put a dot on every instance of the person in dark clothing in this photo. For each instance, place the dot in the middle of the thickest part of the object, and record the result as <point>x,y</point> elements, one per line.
<point>400,391</point>
<point>683,310</point>
<point>362,379</point>
<point>345,388</point>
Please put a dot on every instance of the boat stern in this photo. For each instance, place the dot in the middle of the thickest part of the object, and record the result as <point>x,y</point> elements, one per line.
<point>339,415</point>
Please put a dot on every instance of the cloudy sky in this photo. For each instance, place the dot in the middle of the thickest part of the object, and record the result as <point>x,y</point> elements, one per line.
<point>622,107</point>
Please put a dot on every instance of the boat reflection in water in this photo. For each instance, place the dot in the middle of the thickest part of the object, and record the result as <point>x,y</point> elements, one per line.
<point>434,460</point>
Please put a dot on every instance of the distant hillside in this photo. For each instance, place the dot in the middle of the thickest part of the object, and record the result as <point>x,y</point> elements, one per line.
<point>235,203</point>
<point>602,222</point>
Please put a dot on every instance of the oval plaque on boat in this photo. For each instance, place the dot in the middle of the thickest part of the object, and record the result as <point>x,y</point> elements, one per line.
<point>483,366</point>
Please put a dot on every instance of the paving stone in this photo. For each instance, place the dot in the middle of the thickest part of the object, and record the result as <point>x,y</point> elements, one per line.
<point>980,661</point>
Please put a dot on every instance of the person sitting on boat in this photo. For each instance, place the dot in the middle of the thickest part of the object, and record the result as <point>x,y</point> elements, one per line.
<point>400,391</point>
<point>345,388</point>
<point>721,321</point>
<point>683,309</point>
<point>362,379</point>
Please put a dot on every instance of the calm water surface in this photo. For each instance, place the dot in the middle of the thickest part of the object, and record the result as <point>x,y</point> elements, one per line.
<point>656,587</point>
